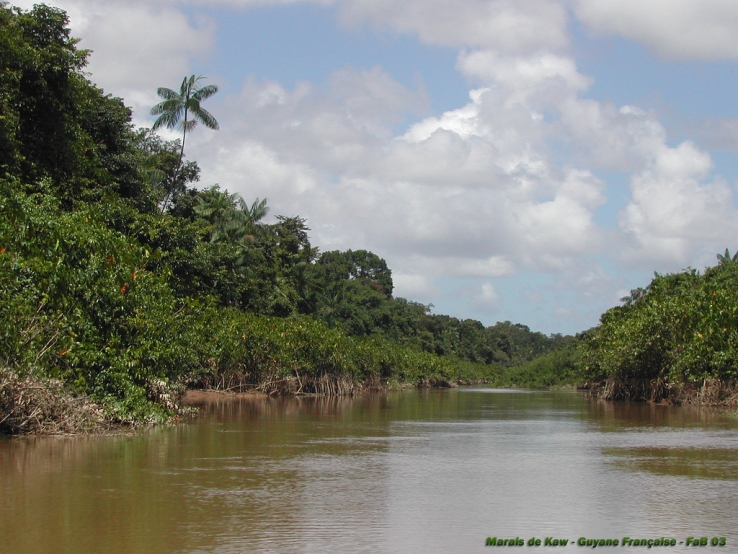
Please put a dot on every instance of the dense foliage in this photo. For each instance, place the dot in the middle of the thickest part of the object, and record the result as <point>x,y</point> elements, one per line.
<point>123,282</point>
<point>682,328</point>
<point>559,367</point>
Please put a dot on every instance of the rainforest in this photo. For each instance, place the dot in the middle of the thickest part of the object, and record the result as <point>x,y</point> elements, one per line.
<point>122,284</point>
<point>124,281</point>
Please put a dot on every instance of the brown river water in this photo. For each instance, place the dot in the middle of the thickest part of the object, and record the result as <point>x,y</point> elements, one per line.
<point>426,471</point>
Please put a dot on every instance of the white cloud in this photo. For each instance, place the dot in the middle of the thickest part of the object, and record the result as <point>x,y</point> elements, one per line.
<point>511,26</point>
<point>674,213</point>
<point>507,25</point>
<point>494,266</point>
<point>244,167</point>
<point>414,286</point>
<point>486,300</point>
<point>541,72</point>
<point>474,192</point>
<point>594,286</point>
<point>716,133</point>
<point>675,29</point>
<point>470,193</point>
<point>258,3</point>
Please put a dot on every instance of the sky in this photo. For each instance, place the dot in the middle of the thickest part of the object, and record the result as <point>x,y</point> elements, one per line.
<point>512,160</point>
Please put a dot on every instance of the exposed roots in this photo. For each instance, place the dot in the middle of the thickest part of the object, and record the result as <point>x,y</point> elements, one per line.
<point>29,405</point>
<point>232,381</point>
<point>711,392</point>
<point>324,385</point>
<point>436,384</point>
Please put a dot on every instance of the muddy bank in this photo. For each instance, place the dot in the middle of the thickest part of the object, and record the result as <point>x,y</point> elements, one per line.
<point>203,396</point>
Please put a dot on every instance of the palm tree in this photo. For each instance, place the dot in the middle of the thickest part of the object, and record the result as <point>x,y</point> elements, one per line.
<point>253,215</point>
<point>183,111</point>
<point>726,259</point>
<point>232,218</point>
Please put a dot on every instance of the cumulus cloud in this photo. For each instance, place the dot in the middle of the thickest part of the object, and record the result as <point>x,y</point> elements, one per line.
<point>675,29</point>
<point>716,133</point>
<point>470,193</point>
<point>258,3</point>
<point>482,191</point>
<point>674,213</point>
<point>418,287</point>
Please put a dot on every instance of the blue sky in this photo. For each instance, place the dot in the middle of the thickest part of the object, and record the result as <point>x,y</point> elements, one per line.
<point>526,160</point>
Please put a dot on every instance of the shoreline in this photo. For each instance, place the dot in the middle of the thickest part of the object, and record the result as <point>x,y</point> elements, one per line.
<point>709,392</point>
<point>46,408</point>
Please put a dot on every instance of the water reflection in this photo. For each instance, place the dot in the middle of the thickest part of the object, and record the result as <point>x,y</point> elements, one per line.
<point>703,463</point>
<point>415,471</point>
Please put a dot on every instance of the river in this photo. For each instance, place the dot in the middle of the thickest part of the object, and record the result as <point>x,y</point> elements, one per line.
<point>431,471</point>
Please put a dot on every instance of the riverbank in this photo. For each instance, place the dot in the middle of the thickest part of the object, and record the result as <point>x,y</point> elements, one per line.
<point>34,406</point>
<point>42,406</point>
<point>30,405</point>
<point>709,392</point>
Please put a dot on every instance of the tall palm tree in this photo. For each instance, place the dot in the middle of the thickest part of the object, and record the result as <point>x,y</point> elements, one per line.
<point>183,111</point>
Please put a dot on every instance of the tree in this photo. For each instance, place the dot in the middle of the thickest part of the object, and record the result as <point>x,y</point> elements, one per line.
<point>726,259</point>
<point>183,111</point>
<point>361,265</point>
<point>54,123</point>
<point>231,217</point>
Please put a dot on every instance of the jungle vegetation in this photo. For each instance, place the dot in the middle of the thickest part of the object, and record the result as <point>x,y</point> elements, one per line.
<point>676,339</point>
<point>121,283</point>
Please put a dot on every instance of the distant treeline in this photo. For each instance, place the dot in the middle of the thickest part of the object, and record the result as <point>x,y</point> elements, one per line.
<point>123,284</point>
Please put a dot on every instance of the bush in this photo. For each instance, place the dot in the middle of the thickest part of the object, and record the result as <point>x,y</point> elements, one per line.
<point>682,328</point>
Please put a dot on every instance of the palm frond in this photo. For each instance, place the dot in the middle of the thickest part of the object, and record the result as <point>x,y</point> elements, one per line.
<point>259,210</point>
<point>188,125</point>
<point>205,92</point>
<point>167,93</point>
<point>154,176</point>
<point>166,119</point>
<point>206,118</point>
<point>186,87</point>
